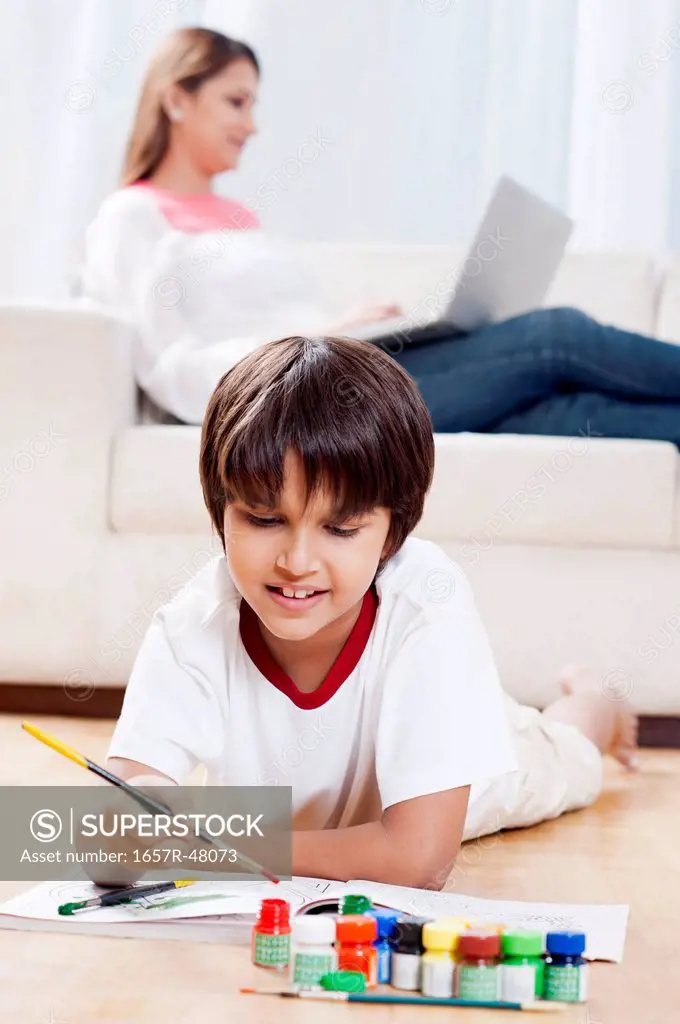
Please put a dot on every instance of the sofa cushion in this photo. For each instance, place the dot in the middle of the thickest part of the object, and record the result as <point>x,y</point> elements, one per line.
<point>509,488</point>
<point>155,484</point>
<point>488,489</point>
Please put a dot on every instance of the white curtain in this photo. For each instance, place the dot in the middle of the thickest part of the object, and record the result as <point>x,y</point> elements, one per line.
<point>421,103</point>
<point>626,124</point>
<point>428,101</point>
<point>381,120</point>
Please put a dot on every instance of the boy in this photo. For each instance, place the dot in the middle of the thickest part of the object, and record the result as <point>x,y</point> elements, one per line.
<point>329,651</point>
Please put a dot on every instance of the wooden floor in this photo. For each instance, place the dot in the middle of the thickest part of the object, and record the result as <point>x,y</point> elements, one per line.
<point>624,850</point>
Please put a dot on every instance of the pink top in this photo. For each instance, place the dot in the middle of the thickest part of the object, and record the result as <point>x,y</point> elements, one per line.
<point>193,212</point>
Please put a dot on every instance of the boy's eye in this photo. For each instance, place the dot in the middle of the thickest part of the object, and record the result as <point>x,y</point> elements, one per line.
<point>261,520</point>
<point>337,531</point>
<point>264,521</point>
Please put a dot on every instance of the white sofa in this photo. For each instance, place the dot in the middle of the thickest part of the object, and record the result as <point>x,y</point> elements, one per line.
<point>102,519</point>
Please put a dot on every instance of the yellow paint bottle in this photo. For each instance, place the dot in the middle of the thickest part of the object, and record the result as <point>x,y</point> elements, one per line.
<point>440,939</point>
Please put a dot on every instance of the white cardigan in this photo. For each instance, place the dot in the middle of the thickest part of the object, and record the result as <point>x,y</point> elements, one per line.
<point>199,301</point>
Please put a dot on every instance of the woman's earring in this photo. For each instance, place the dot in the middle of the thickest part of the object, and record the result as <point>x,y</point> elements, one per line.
<point>175,114</point>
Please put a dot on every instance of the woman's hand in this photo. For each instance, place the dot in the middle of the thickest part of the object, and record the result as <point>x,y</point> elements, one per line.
<point>368,315</point>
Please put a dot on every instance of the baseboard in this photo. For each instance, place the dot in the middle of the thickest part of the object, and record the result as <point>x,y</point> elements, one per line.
<point>660,731</point>
<point>106,702</point>
<point>46,699</point>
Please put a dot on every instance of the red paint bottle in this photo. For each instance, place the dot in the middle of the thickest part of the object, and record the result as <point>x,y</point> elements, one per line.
<point>271,935</point>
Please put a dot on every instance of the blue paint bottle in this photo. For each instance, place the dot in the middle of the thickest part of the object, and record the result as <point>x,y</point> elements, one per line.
<point>566,972</point>
<point>387,926</point>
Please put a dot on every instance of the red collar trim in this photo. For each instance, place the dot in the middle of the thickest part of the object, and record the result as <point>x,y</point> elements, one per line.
<point>340,670</point>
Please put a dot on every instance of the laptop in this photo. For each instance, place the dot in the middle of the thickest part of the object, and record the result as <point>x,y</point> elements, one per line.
<point>509,267</point>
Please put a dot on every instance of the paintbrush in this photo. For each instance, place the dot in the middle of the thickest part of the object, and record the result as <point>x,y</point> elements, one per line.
<point>148,802</point>
<point>117,897</point>
<point>536,1006</point>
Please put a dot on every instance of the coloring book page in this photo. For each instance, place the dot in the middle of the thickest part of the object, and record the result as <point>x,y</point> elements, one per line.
<point>604,925</point>
<point>212,902</point>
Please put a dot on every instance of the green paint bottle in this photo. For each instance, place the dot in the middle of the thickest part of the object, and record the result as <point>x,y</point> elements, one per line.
<point>522,966</point>
<point>354,903</point>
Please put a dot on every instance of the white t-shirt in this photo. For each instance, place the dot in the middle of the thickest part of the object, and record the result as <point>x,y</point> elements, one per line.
<point>201,283</point>
<point>411,706</point>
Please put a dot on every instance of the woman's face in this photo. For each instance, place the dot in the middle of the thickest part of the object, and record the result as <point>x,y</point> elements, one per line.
<point>216,121</point>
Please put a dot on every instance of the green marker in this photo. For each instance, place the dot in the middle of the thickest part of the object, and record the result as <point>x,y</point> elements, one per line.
<point>120,896</point>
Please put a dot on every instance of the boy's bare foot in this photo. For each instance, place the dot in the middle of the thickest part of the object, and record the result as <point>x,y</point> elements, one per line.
<point>610,722</point>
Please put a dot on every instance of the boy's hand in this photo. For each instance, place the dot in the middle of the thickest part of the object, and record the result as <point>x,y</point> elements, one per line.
<point>130,848</point>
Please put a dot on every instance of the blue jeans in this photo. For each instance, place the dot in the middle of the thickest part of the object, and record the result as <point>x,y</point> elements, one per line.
<point>552,371</point>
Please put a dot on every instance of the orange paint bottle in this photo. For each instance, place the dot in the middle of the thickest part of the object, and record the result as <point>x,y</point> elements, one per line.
<point>355,935</point>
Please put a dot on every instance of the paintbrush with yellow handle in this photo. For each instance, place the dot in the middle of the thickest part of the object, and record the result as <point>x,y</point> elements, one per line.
<point>148,802</point>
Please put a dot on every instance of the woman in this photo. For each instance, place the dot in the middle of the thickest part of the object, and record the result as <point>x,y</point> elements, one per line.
<point>203,285</point>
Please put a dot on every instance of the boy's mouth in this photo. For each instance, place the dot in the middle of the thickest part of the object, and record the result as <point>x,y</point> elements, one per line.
<point>295,597</point>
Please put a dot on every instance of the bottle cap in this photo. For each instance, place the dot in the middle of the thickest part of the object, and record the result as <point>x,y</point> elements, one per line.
<point>565,943</point>
<point>522,943</point>
<point>440,936</point>
<point>343,981</point>
<point>356,928</point>
<point>408,934</point>
<point>273,913</point>
<point>314,928</point>
<point>461,924</point>
<point>387,921</point>
<point>354,903</point>
<point>479,943</point>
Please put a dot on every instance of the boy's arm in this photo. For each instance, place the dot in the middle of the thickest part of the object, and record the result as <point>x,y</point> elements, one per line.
<point>415,843</point>
<point>128,770</point>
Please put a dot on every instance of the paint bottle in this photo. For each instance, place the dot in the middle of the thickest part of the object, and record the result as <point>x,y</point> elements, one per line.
<point>387,924</point>
<point>566,972</point>
<point>354,903</point>
<point>522,966</point>
<point>271,935</point>
<point>478,972</point>
<point>356,934</point>
<point>313,952</point>
<point>459,925</point>
<point>407,948</point>
<point>437,964</point>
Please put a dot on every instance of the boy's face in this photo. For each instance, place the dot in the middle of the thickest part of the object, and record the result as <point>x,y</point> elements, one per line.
<point>298,549</point>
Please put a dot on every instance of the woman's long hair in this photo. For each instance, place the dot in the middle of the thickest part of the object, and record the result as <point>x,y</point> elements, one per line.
<point>188,57</point>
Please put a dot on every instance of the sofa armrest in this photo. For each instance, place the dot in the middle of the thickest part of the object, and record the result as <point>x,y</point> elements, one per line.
<point>68,388</point>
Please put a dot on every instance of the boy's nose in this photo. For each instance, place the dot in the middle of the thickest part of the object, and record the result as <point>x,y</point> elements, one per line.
<point>297,559</point>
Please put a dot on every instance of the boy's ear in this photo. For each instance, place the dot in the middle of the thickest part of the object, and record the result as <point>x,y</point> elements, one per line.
<point>386,552</point>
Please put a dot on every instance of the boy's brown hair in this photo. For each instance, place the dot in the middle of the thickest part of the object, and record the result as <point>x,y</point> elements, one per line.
<point>355,418</point>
